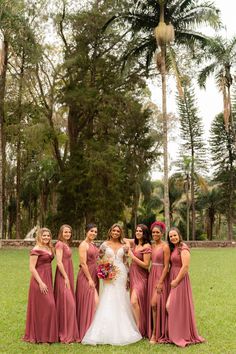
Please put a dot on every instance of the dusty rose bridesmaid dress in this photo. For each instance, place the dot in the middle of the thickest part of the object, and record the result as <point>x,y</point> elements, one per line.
<point>41,320</point>
<point>65,299</point>
<point>85,303</point>
<point>182,328</point>
<point>138,282</point>
<point>154,276</point>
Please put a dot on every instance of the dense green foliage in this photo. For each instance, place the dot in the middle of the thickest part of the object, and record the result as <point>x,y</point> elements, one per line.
<point>79,136</point>
<point>224,157</point>
<point>192,146</point>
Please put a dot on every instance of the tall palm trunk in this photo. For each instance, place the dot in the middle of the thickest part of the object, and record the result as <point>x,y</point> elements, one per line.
<point>226,110</point>
<point>231,202</point>
<point>165,138</point>
<point>188,205</point>
<point>210,224</point>
<point>193,198</point>
<point>226,91</point>
<point>164,122</point>
<point>231,117</point>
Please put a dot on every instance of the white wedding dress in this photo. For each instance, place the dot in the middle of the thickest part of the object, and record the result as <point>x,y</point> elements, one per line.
<point>113,321</point>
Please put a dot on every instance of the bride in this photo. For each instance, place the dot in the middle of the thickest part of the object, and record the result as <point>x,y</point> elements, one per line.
<point>113,321</point>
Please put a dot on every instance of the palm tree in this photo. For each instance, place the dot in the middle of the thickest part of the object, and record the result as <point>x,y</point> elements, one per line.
<point>222,55</point>
<point>211,202</point>
<point>167,19</point>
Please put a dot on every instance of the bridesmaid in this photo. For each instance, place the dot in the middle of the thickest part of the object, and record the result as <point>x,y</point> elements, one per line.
<point>41,320</point>
<point>140,254</point>
<point>87,281</point>
<point>64,288</point>
<point>181,320</point>
<point>158,285</point>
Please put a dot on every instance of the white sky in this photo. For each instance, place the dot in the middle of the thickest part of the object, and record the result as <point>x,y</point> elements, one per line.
<point>209,100</point>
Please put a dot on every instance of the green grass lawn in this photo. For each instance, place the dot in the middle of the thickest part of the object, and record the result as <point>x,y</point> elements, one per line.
<point>214,289</point>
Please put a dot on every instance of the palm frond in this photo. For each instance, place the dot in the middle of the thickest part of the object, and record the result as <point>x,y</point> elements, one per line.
<point>232,48</point>
<point>190,37</point>
<point>205,73</point>
<point>146,48</point>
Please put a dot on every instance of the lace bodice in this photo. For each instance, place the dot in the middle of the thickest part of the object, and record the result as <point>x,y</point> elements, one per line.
<point>113,255</point>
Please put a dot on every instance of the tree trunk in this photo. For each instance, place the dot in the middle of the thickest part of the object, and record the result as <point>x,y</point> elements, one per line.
<point>165,138</point>
<point>211,221</point>
<point>18,149</point>
<point>218,226</point>
<point>134,212</point>
<point>193,198</point>
<point>3,70</point>
<point>226,109</point>
<point>230,227</point>
<point>231,117</point>
<point>72,129</point>
<point>1,174</point>
<point>43,205</point>
<point>210,228</point>
<point>164,122</point>
<point>49,116</point>
<point>231,184</point>
<point>188,207</point>
<point>231,207</point>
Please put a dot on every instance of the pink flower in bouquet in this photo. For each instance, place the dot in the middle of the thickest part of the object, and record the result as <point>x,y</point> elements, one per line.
<point>107,270</point>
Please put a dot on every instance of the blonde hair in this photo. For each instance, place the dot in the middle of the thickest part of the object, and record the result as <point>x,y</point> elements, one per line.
<point>39,238</point>
<point>121,232</point>
<point>60,233</point>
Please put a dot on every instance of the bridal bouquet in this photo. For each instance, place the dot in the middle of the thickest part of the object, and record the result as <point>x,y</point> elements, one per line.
<point>106,270</point>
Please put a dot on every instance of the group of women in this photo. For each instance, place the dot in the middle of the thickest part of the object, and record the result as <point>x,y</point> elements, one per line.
<point>158,305</point>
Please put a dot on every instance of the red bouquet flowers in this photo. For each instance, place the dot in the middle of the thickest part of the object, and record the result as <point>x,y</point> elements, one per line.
<point>106,270</point>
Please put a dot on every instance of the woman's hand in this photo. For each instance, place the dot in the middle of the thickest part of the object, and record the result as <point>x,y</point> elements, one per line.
<point>102,251</point>
<point>130,254</point>
<point>43,288</point>
<point>159,287</point>
<point>174,283</point>
<point>126,248</point>
<point>91,283</point>
<point>67,283</point>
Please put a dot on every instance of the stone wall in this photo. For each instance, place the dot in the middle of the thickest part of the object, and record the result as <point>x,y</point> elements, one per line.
<point>75,243</point>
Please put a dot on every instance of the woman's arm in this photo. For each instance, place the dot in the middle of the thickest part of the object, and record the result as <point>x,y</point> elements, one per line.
<point>166,251</point>
<point>185,257</point>
<point>59,255</point>
<point>146,259</point>
<point>129,241</point>
<point>83,248</point>
<point>102,250</point>
<point>33,261</point>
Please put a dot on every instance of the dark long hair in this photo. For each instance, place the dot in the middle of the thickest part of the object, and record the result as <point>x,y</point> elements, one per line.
<point>180,239</point>
<point>146,234</point>
<point>89,227</point>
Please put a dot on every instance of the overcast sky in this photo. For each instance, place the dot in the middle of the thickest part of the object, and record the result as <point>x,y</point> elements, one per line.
<point>210,101</point>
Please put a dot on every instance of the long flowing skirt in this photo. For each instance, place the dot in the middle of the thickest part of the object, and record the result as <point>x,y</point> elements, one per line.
<point>113,322</point>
